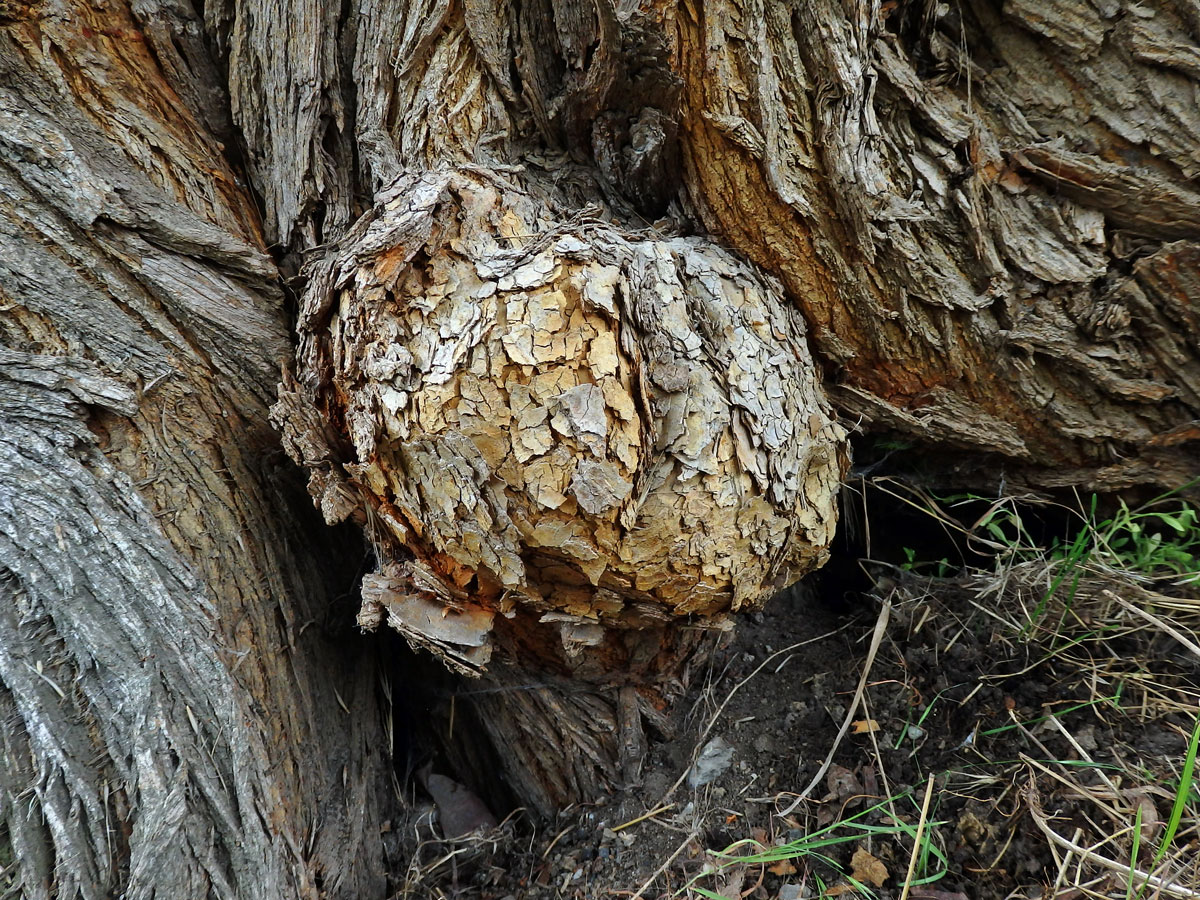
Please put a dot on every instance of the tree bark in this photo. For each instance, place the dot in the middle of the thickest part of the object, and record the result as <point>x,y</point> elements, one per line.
<point>986,214</point>
<point>974,275</point>
<point>173,725</point>
<point>580,286</point>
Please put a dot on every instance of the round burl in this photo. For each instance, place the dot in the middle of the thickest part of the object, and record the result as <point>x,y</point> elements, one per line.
<point>602,428</point>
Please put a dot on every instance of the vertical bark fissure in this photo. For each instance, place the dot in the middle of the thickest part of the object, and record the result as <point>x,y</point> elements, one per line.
<point>164,736</point>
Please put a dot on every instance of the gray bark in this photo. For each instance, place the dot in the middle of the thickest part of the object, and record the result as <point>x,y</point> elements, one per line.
<point>974,227</point>
<point>172,724</point>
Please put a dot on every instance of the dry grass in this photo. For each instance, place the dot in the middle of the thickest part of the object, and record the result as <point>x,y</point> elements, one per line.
<point>1113,636</point>
<point>1111,614</point>
<point>1107,619</point>
<point>437,866</point>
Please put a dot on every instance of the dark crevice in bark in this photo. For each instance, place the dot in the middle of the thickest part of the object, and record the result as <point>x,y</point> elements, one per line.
<point>437,728</point>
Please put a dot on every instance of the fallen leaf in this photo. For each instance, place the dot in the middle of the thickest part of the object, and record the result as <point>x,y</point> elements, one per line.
<point>972,829</point>
<point>870,781</point>
<point>865,726</point>
<point>826,814</point>
<point>838,889</point>
<point>715,758</point>
<point>842,784</point>
<point>1150,820</point>
<point>866,868</point>
<point>781,868</point>
<point>731,885</point>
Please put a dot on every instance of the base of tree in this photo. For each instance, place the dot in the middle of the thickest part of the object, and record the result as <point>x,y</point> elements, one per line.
<point>572,730</point>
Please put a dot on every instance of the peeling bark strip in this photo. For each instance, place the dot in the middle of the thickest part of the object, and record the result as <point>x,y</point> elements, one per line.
<point>561,418</point>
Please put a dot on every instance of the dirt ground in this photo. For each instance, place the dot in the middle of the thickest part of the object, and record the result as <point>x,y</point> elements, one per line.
<point>1020,744</point>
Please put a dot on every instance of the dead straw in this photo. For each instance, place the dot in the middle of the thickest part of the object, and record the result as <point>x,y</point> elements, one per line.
<point>916,850</point>
<point>1145,879</point>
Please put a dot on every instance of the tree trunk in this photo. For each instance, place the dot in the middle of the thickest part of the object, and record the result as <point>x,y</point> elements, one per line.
<point>580,286</point>
<point>174,725</point>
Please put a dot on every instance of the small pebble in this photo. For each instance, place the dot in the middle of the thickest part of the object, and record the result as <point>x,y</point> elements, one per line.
<point>715,759</point>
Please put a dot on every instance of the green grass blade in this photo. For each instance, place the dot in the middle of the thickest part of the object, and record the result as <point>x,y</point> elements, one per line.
<point>1133,854</point>
<point>1181,796</point>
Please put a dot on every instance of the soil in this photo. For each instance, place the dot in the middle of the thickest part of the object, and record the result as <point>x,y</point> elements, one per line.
<point>946,691</point>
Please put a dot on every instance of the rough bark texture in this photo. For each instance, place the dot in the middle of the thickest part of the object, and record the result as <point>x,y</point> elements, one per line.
<point>986,213</point>
<point>598,425</point>
<point>987,257</point>
<point>582,219</point>
<point>172,724</point>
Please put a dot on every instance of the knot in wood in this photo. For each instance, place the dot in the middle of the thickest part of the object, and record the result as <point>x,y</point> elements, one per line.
<point>571,422</point>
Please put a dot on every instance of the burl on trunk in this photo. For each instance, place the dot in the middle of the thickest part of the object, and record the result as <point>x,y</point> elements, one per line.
<point>572,446</point>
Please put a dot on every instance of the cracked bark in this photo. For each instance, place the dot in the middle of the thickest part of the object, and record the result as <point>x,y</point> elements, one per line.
<point>586,290</point>
<point>171,722</point>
